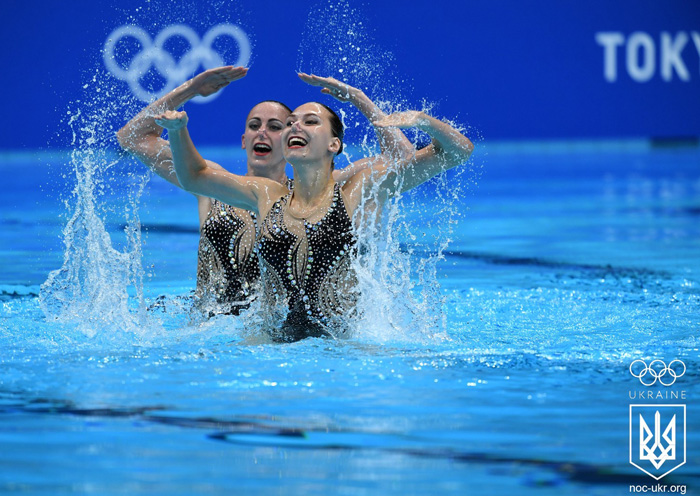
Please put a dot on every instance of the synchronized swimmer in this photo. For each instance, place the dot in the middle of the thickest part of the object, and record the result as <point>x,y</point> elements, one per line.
<point>227,268</point>
<point>306,238</point>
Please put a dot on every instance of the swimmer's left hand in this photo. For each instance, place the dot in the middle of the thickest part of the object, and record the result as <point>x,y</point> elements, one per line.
<point>172,120</point>
<point>331,86</point>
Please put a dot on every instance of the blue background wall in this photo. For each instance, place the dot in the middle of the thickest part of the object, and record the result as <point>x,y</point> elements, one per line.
<point>509,70</point>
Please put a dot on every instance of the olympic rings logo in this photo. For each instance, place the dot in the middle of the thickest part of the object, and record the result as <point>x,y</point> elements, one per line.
<point>657,371</point>
<point>153,54</point>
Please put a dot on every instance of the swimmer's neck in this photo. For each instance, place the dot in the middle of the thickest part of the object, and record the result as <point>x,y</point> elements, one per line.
<point>310,184</point>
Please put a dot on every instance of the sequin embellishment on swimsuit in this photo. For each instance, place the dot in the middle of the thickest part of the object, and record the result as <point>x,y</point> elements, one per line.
<point>226,270</point>
<point>309,268</point>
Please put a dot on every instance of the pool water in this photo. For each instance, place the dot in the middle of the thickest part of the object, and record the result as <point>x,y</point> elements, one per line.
<point>565,263</point>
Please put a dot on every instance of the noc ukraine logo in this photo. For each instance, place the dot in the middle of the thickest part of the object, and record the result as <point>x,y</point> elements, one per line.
<point>657,431</point>
<point>154,56</point>
<point>657,438</point>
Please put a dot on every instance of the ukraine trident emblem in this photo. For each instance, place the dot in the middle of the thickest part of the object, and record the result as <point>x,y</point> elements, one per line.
<point>657,438</point>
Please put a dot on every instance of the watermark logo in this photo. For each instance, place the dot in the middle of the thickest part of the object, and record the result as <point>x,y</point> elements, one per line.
<point>657,371</point>
<point>657,438</point>
<point>154,56</point>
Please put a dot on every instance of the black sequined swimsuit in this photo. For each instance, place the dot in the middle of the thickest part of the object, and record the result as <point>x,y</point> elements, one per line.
<point>226,270</point>
<point>308,267</point>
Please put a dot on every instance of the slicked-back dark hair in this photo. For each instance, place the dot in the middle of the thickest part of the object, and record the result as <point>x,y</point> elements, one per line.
<point>277,102</point>
<point>337,128</point>
<point>271,101</point>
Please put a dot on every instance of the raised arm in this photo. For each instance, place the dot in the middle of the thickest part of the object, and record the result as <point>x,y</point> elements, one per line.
<point>141,136</point>
<point>393,143</point>
<point>195,175</point>
<point>449,148</point>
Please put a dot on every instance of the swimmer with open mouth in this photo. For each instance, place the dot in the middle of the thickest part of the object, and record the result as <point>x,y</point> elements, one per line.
<point>307,236</point>
<point>227,268</point>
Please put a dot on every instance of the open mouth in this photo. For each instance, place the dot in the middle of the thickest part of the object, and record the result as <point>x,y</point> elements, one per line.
<point>261,149</point>
<point>296,142</point>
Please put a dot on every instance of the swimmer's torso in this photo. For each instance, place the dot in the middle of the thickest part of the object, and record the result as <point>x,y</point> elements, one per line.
<point>309,266</point>
<point>226,270</point>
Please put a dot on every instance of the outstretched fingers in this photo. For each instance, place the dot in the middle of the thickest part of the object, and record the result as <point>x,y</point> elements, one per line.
<point>222,76</point>
<point>311,79</point>
<point>329,86</point>
<point>231,73</point>
<point>212,80</point>
<point>227,71</point>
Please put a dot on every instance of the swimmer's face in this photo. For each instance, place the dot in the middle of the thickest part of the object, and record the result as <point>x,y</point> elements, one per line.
<point>262,139</point>
<point>308,134</point>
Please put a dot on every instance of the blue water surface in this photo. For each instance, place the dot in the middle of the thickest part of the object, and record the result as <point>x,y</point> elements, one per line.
<point>560,266</point>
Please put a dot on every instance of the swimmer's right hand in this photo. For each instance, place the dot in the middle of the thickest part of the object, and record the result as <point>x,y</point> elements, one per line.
<point>330,86</point>
<point>172,120</point>
<point>212,80</point>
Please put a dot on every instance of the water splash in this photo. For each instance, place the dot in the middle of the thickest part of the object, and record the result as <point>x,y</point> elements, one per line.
<point>337,42</point>
<point>94,287</point>
<point>99,288</point>
<point>401,296</point>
